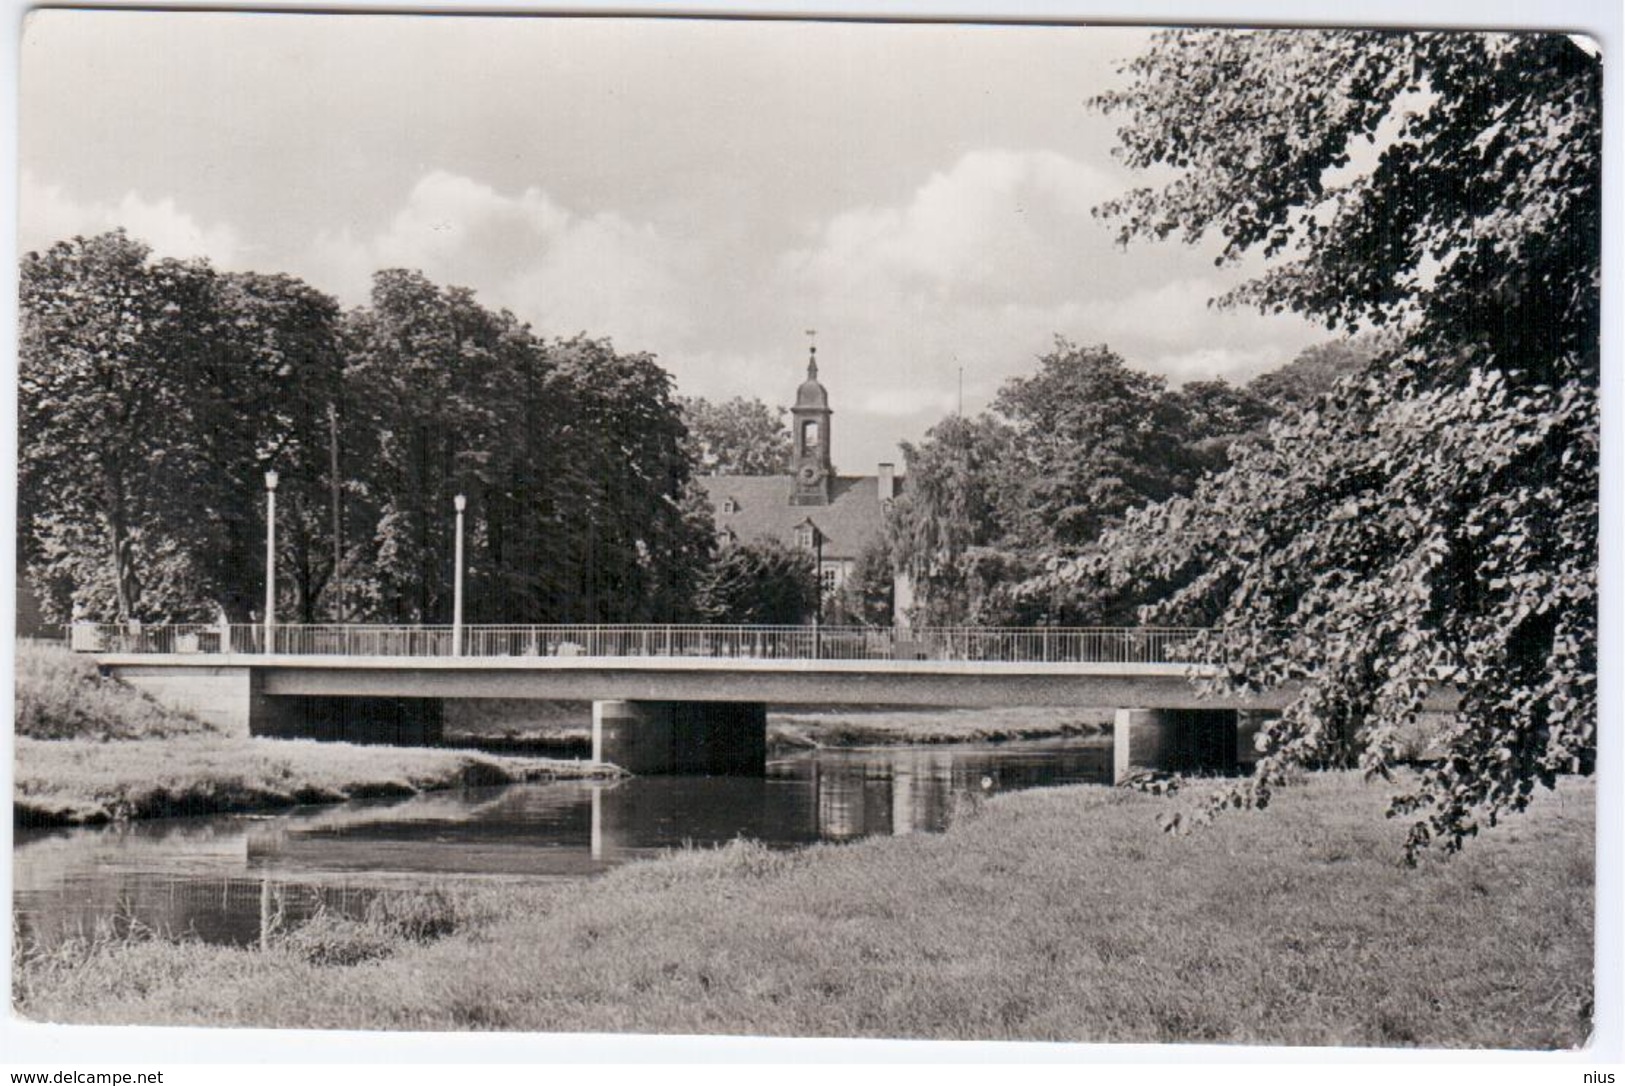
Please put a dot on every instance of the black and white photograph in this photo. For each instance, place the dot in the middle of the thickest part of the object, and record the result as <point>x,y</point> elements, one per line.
<point>828,527</point>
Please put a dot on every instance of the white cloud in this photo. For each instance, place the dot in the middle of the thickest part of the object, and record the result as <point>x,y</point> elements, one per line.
<point>983,264</point>
<point>565,272</point>
<point>997,225</point>
<point>47,215</point>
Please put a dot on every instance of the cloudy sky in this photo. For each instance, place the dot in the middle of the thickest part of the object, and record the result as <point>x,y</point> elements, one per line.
<point>704,190</point>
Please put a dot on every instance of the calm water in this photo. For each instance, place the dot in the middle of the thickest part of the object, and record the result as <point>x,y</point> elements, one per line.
<point>218,877</point>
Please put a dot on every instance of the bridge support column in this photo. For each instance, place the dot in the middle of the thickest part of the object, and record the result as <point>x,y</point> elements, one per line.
<point>1173,741</point>
<point>669,737</point>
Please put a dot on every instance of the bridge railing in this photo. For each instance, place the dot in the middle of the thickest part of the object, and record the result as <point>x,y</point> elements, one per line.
<point>1052,644</point>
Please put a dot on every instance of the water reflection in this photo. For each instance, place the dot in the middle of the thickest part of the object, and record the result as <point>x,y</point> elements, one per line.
<point>226,879</point>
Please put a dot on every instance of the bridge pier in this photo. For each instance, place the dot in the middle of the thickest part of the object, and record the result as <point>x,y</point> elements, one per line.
<point>668,737</point>
<point>1173,741</point>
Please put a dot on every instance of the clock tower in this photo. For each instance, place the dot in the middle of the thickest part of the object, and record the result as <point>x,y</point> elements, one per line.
<point>809,461</point>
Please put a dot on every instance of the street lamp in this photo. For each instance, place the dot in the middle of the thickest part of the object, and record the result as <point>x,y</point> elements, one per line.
<point>270,558</point>
<point>818,582</point>
<point>457,587</point>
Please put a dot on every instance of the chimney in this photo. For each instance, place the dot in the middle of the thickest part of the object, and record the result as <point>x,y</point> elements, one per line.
<point>888,484</point>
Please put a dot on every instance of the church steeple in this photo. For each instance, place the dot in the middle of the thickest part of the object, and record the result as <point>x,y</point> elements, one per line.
<point>810,461</point>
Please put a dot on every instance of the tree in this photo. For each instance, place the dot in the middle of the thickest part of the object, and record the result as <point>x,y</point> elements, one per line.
<point>1435,520</point>
<point>1215,415</point>
<point>868,595</point>
<point>153,397</point>
<point>95,397</point>
<point>737,437</point>
<point>259,371</point>
<point>426,365</point>
<point>995,500</point>
<point>570,455</point>
<point>1315,370</point>
<point>646,532</point>
<point>948,513</point>
<point>759,582</point>
<point>1095,438</point>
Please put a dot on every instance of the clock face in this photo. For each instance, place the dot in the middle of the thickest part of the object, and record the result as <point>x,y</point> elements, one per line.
<point>808,473</point>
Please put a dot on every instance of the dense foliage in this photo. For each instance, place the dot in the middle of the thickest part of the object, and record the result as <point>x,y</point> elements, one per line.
<point>761,582</point>
<point>736,437</point>
<point>155,395</point>
<point>868,595</point>
<point>1435,521</point>
<point>997,499</point>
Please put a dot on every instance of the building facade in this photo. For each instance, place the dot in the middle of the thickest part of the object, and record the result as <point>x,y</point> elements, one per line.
<point>814,508</point>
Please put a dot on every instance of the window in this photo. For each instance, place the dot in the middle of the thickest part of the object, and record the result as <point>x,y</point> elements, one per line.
<point>730,506</point>
<point>809,434</point>
<point>804,537</point>
<point>829,580</point>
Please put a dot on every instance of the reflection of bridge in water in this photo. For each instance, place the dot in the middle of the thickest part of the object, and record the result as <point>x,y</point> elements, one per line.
<point>232,879</point>
<point>678,699</point>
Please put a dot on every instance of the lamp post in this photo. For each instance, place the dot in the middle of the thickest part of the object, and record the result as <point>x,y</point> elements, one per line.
<point>270,559</point>
<point>818,584</point>
<point>457,587</point>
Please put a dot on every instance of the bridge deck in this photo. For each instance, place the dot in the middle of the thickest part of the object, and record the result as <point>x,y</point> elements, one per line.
<point>958,683</point>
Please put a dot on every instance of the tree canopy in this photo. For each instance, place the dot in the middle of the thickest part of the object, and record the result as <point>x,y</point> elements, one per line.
<point>1065,453</point>
<point>1434,520</point>
<point>759,582</point>
<point>154,396</point>
<point>736,437</point>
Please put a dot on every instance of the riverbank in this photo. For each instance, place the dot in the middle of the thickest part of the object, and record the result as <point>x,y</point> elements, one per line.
<point>77,782</point>
<point>90,749</point>
<point>1053,914</point>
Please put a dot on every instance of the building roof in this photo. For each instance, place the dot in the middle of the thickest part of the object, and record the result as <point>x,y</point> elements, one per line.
<point>762,507</point>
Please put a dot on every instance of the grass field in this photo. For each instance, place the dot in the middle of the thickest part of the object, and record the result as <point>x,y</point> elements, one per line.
<point>1053,914</point>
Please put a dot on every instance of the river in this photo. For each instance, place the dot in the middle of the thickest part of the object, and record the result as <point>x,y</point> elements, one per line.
<point>216,878</point>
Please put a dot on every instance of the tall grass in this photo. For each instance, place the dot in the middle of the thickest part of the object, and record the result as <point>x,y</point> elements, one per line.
<point>61,695</point>
<point>1052,914</point>
<point>390,921</point>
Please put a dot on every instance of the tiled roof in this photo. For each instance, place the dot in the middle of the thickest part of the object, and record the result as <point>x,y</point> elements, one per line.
<point>762,508</point>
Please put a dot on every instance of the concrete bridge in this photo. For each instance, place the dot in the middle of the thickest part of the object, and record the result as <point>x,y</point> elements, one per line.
<point>677,699</point>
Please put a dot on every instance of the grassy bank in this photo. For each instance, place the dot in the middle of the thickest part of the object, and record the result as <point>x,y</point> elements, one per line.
<point>68,782</point>
<point>91,749</point>
<point>61,695</point>
<point>1057,914</point>
<point>567,726</point>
